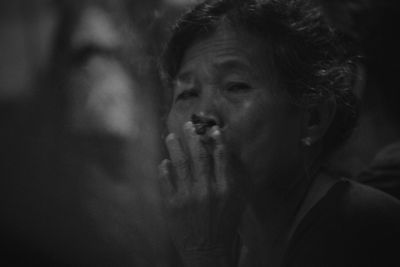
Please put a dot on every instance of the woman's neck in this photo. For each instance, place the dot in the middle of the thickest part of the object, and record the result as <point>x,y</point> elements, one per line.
<point>269,216</point>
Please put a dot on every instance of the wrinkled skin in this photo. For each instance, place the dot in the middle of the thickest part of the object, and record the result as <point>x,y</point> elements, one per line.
<point>229,78</point>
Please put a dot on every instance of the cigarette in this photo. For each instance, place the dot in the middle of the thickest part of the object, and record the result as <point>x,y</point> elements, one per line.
<point>201,126</point>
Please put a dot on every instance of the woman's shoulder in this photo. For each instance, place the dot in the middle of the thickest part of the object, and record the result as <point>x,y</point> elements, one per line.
<point>358,209</point>
<point>360,201</point>
<point>352,225</point>
<point>354,204</point>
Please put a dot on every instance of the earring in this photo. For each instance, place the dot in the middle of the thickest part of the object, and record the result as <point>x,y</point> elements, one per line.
<point>306,141</point>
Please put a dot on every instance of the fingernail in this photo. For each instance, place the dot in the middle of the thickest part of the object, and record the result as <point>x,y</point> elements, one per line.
<point>164,162</point>
<point>189,126</point>
<point>170,137</point>
<point>215,131</point>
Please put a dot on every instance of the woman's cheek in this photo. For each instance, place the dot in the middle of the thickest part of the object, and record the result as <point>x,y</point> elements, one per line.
<point>181,112</point>
<point>175,121</point>
<point>248,118</point>
<point>241,127</point>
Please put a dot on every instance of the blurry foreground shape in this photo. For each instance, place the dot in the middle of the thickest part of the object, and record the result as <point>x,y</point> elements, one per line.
<point>101,90</point>
<point>96,28</point>
<point>26,36</point>
<point>78,184</point>
<point>103,100</point>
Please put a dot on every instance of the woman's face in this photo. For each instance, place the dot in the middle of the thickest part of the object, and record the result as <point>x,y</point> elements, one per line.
<point>231,78</point>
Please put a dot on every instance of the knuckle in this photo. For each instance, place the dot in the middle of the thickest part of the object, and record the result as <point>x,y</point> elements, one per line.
<point>188,128</point>
<point>171,141</point>
<point>163,172</point>
<point>219,152</point>
<point>202,155</point>
<point>181,163</point>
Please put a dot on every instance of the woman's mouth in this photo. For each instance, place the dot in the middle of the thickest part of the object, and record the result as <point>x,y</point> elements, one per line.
<point>202,125</point>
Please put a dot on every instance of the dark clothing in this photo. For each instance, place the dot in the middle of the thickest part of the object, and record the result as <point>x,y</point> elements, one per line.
<point>384,171</point>
<point>352,225</point>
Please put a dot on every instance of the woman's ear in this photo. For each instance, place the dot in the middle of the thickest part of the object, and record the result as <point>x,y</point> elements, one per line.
<point>317,119</point>
<point>359,83</point>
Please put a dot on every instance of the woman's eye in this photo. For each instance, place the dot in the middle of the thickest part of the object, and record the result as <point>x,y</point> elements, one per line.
<point>186,95</point>
<point>238,87</point>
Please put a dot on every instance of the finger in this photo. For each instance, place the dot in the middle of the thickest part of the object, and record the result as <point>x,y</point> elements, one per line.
<point>201,160</point>
<point>220,160</point>
<point>165,178</point>
<point>179,161</point>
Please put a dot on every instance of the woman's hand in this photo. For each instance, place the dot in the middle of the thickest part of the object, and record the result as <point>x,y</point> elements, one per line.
<point>202,202</point>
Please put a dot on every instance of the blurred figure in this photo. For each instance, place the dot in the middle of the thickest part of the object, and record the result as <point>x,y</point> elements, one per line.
<point>80,138</point>
<point>373,153</point>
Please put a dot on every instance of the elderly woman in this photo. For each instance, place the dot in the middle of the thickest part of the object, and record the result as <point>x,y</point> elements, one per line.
<point>261,96</point>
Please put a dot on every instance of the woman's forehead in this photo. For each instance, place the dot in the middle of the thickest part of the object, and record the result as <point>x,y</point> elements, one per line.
<point>229,50</point>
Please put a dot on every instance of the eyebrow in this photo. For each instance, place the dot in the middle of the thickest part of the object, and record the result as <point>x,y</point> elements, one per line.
<point>233,65</point>
<point>183,77</point>
<point>226,65</point>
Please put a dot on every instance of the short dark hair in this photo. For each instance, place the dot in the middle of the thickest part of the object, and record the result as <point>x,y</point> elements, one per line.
<point>372,24</point>
<point>312,58</point>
